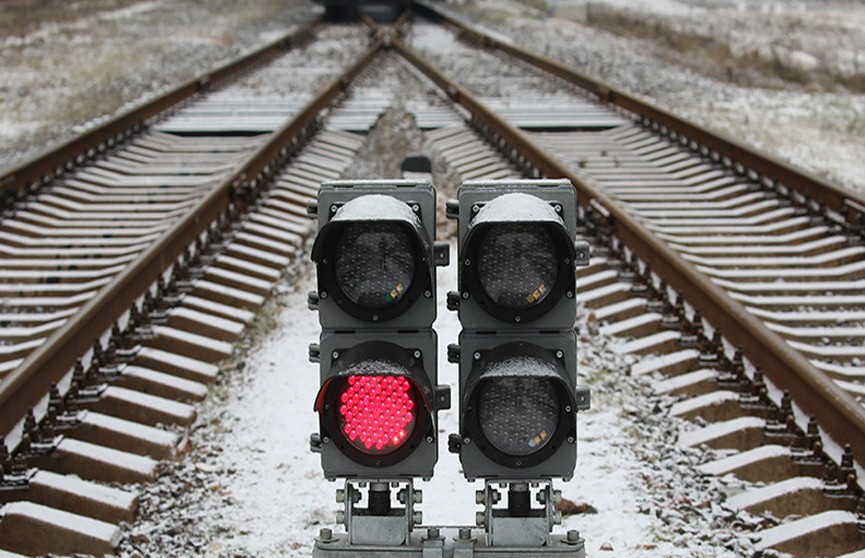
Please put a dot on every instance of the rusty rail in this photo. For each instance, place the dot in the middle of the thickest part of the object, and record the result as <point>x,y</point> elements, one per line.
<point>28,384</point>
<point>87,144</point>
<point>769,168</point>
<point>838,413</point>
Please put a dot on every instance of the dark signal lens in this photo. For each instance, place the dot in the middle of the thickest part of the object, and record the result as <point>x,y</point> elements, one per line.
<point>517,265</point>
<point>374,263</point>
<point>377,414</point>
<point>518,415</point>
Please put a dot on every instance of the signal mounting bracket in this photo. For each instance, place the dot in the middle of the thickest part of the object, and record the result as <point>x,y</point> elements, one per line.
<point>382,531</point>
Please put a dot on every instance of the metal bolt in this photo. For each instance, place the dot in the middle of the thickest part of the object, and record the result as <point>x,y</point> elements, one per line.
<point>417,497</point>
<point>417,354</point>
<point>323,294</point>
<point>467,440</point>
<point>477,355</point>
<point>415,207</point>
<point>480,519</point>
<point>465,295</point>
<point>334,355</point>
<point>517,319</point>
<point>557,496</point>
<point>480,497</point>
<point>427,294</point>
<point>333,208</point>
<point>430,439</point>
<point>417,518</point>
<point>433,533</point>
<point>476,208</point>
<point>340,517</point>
<point>465,533</point>
<point>567,408</point>
<point>557,518</point>
<point>560,354</point>
<point>570,294</point>
<point>325,534</point>
<point>340,496</point>
<point>573,536</point>
<point>375,317</point>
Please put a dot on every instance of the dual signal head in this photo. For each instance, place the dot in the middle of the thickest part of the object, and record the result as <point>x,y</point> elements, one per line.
<point>379,397</point>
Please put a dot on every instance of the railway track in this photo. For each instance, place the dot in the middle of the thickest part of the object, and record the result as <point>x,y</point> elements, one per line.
<point>708,210</point>
<point>87,245</point>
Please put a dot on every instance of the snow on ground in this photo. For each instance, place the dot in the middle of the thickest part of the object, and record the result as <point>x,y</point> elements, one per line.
<point>721,64</point>
<point>251,487</point>
<point>69,70</point>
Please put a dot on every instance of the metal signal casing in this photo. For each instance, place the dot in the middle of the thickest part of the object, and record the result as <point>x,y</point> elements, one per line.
<point>375,256</point>
<point>477,356</point>
<point>551,204</point>
<point>410,207</point>
<point>416,354</point>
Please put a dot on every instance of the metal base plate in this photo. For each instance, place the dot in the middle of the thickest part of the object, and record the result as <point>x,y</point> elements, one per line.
<point>451,542</point>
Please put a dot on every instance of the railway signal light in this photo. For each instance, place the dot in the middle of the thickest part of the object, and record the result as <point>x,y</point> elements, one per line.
<point>517,352</point>
<point>375,257</point>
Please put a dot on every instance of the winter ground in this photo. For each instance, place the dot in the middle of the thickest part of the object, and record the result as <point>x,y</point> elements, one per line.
<point>67,65</point>
<point>787,77</point>
<point>249,486</point>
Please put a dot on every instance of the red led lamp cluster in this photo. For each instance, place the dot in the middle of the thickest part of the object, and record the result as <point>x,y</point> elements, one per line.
<point>376,412</point>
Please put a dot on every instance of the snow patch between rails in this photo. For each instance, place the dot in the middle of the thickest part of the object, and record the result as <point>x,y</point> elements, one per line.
<point>250,485</point>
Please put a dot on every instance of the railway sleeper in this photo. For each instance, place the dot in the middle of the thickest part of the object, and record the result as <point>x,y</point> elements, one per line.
<point>830,533</point>
<point>59,531</point>
<point>89,425</point>
<point>176,364</point>
<point>95,462</point>
<point>140,407</point>
<point>199,347</point>
<point>737,424</point>
<point>71,494</point>
<point>796,495</point>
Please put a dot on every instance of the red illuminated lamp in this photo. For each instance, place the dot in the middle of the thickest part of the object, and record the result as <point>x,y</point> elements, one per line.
<point>376,414</point>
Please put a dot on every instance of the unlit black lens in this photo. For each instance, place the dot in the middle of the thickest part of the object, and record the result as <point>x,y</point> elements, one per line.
<point>518,415</point>
<point>517,265</point>
<point>374,263</point>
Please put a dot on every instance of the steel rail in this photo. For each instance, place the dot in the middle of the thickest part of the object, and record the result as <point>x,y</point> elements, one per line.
<point>768,167</point>
<point>28,383</point>
<point>836,411</point>
<point>42,167</point>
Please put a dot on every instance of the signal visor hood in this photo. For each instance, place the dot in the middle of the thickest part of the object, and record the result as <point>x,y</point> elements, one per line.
<point>529,211</point>
<point>517,208</point>
<point>379,358</point>
<point>371,208</point>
